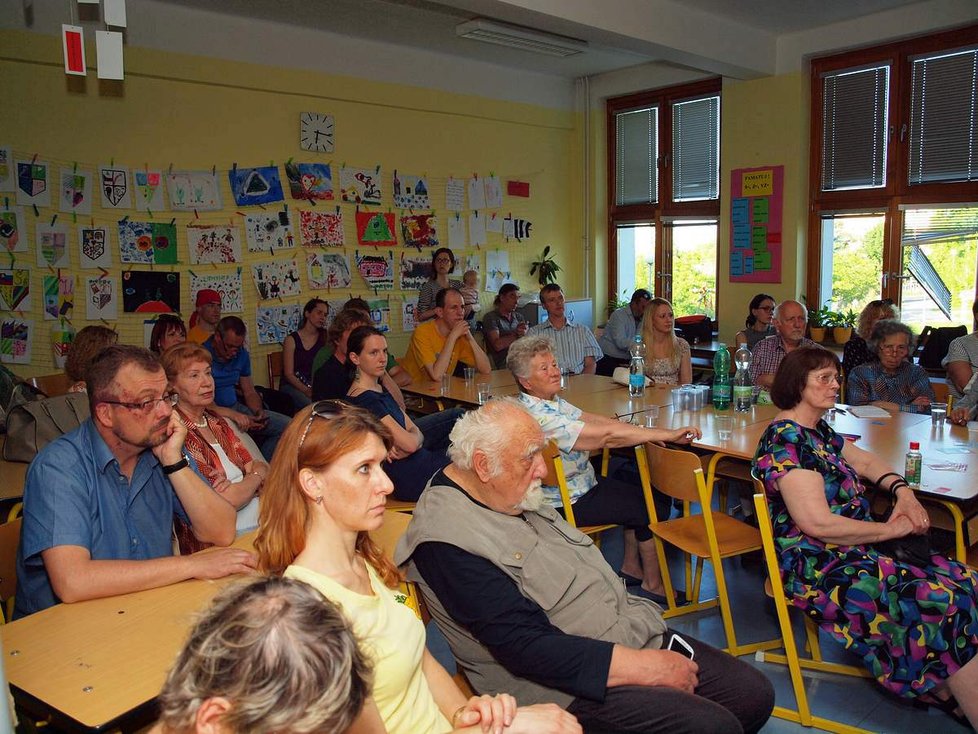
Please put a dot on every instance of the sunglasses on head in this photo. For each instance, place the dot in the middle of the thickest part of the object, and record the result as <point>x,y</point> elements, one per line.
<point>323,409</point>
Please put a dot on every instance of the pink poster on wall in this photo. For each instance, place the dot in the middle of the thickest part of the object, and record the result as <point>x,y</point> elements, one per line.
<point>755,224</point>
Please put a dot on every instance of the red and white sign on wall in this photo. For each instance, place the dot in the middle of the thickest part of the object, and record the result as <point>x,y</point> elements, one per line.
<point>73,40</point>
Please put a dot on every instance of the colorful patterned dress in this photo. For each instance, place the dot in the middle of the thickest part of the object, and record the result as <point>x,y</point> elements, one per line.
<point>912,627</point>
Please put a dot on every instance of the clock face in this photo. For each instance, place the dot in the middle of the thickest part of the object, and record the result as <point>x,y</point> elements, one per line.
<point>316,132</point>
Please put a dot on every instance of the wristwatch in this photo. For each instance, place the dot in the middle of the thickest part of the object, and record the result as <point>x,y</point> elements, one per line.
<point>173,468</point>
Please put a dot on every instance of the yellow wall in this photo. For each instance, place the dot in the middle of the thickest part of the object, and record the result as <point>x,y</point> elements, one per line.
<point>197,113</point>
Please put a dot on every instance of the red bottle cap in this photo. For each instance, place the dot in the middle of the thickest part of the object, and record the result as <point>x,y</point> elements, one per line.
<point>914,445</point>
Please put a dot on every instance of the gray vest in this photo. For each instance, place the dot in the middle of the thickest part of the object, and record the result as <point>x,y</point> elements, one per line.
<point>552,563</point>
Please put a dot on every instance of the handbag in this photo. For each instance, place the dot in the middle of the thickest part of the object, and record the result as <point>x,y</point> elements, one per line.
<point>914,550</point>
<point>32,426</point>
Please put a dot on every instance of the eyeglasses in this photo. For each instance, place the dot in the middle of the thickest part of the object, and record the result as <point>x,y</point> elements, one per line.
<point>323,409</point>
<point>894,348</point>
<point>828,379</point>
<point>147,405</point>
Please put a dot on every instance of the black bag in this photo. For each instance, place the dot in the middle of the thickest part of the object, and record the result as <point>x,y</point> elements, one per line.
<point>914,550</point>
<point>936,342</point>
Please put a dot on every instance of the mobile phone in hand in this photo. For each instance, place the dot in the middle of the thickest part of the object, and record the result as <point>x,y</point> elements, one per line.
<point>678,644</point>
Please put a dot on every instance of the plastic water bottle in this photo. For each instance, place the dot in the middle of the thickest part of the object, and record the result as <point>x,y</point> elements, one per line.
<point>912,468</point>
<point>742,388</point>
<point>636,368</point>
<point>722,388</point>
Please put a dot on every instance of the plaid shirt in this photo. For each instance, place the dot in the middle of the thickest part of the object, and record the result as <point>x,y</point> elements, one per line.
<point>767,355</point>
<point>869,382</point>
<point>572,344</point>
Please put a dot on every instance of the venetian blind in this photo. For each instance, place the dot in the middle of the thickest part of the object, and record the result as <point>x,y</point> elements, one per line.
<point>854,127</point>
<point>636,175</point>
<point>696,149</point>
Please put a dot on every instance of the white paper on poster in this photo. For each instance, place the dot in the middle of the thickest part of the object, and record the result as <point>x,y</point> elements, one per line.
<point>408,322</point>
<point>6,169</point>
<point>456,232</point>
<point>101,298</point>
<point>108,53</point>
<point>494,192</point>
<point>477,193</point>
<point>494,222</point>
<point>497,270</point>
<point>52,245</point>
<point>94,246</point>
<point>454,195</point>
<point>15,341</point>
<point>477,229</point>
<point>114,13</point>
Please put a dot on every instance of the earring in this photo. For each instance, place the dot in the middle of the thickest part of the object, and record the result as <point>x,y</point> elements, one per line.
<point>319,500</point>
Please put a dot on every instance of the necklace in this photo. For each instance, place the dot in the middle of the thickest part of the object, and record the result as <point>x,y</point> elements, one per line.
<point>202,424</point>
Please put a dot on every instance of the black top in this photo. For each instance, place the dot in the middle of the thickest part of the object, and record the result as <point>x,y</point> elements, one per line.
<point>332,381</point>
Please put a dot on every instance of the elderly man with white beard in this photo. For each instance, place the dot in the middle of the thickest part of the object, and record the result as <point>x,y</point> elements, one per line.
<point>530,606</point>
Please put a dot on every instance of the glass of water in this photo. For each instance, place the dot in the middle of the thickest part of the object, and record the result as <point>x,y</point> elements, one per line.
<point>446,383</point>
<point>651,416</point>
<point>724,426</point>
<point>938,412</point>
<point>482,389</point>
<point>469,373</point>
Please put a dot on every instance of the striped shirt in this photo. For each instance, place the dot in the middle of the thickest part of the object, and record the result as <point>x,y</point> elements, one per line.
<point>869,382</point>
<point>572,344</point>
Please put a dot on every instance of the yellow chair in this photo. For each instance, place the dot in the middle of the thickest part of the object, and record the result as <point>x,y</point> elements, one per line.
<point>9,538</point>
<point>394,505</point>
<point>557,478</point>
<point>790,657</point>
<point>706,535</point>
<point>275,369</point>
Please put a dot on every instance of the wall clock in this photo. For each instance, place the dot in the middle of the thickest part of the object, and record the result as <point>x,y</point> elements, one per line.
<point>316,132</point>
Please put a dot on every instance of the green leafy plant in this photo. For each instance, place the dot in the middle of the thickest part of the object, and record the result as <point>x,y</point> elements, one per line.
<point>821,317</point>
<point>546,268</point>
<point>845,319</point>
<point>616,302</point>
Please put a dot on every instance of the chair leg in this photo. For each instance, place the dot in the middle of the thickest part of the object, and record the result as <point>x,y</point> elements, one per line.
<point>698,580</point>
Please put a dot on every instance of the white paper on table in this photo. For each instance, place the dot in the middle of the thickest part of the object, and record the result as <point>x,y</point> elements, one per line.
<point>108,52</point>
<point>869,411</point>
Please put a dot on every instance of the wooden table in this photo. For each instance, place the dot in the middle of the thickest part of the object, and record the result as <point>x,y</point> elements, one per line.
<point>93,664</point>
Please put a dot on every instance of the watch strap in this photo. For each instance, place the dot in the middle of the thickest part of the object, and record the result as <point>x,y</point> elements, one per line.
<point>173,468</point>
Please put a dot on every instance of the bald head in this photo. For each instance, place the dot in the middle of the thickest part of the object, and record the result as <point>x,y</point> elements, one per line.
<point>790,320</point>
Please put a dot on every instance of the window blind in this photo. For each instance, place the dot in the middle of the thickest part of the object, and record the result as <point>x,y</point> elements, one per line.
<point>636,174</point>
<point>944,118</point>
<point>696,149</point>
<point>854,115</point>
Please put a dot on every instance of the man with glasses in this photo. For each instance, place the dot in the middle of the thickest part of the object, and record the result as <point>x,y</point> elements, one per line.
<point>99,501</point>
<point>790,321</point>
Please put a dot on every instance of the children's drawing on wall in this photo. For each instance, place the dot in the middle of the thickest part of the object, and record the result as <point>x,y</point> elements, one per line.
<point>94,247</point>
<point>494,223</point>
<point>310,181</point>
<point>13,229</point>
<point>380,313</point>
<point>415,271</point>
<point>275,323</point>
<point>150,291</point>
<point>59,296</point>
<point>276,279</point>
<point>477,193</point>
<point>52,245</point>
<point>101,298</point>
<point>6,169</point>
<point>194,191</point>
<point>114,184</point>
<point>419,230</point>
<point>61,338</point>
<point>254,186</point>
<point>477,229</point>
<point>15,289</point>
<point>321,229</point>
<point>497,270</point>
<point>15,341</point>
<point>456,232</point>
<point>213,243</point>
<point>411,192</point>
<point>454,195</point>
<point>75,192</point>
<point>269,232</point>
<point>360,185</point>
<point>494,192</point>
<point>147,242</point>
<point>408,322</point>
<point>518,229</point>
<point>33,183</point>
<point>377,270</point>
<point>474,262</point>
<point>376,228</point>
<point>328,270</point>
<point>148,190</point>
<point>228,285</point>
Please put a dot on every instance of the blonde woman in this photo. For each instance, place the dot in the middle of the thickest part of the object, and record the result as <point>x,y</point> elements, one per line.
<point>667,357</point>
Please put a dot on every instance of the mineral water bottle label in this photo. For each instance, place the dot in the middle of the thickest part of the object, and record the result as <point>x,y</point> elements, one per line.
<point>636,384</point>
<point>742,398</point>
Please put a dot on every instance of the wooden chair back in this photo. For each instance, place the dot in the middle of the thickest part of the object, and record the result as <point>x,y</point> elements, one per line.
<point>275,369</point>
<point>556,478</point>
<point>9,538</point>
<point>673,472</point>
<point>52,385</point>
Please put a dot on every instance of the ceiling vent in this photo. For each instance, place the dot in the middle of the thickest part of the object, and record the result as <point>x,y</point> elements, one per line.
<point>525,39</point>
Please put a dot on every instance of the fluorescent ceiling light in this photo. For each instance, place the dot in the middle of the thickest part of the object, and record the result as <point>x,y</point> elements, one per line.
<point>525,39</point>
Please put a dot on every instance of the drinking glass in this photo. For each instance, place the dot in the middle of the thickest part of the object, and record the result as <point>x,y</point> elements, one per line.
<point>724,426</point>
<point>482,390</point>
<point>446,383</point>
<point>651,416</point>
<point>469,373</point>
<point>938,412</point>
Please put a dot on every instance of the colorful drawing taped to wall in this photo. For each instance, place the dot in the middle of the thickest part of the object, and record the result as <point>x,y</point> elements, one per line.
<point>6,169</point>
<point>376,228</point>
<point>310,181</point>
<point>213,243</point>
<point>114,181</point>
<point>228,285</point>
<point>101,298</point>
<point>94,247</point>
<point>360,185</point>
<point>254,186</point>
<point>519,229</point>
<point>415,271</point>
<point>497,270</point>
<point>494,192</point>
<point>61,338</point>
<point>52,245</point>
<point>419,230</point>
<point>328,270</point>
<point>148,188</point>
<point>411,192</point>
<point>275,323</point>
<point>408,322</point>
<point>473,262</point>
<point>147,242</point>
<point>377,270</point>
<point>194,191</point>
<point>33,183</point>
<point>75,192</point>
<point>380,314</point>
<point>269,232</point>
<point>150,291</point>
<point>59,296</point>
<point>13,230</point>
<point>15,341</point>
<point>321,229</point>
<point>276,279</point>
<point>15,289</point>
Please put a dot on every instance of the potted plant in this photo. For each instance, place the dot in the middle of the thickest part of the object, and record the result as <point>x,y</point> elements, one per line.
<point>843,324</point>
<point>616,302</point>
<point>547,267</point>
<point>818,320</point>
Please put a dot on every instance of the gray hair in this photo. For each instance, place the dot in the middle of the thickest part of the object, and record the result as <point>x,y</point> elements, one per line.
<point>885,328</point>
<point>283,656</point>
<point>777,309</point>
<point>485,430</point>
<point>523,350</point>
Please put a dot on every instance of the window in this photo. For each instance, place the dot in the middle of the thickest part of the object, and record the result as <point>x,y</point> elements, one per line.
<point>894,155</point>
<point>665,193</point>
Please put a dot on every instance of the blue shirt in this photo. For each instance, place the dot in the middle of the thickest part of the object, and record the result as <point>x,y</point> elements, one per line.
<point>227,373</point>
<point>619,333</point>
<point>75,494</point>
<point>561,423</point>
<point>572,344</point>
